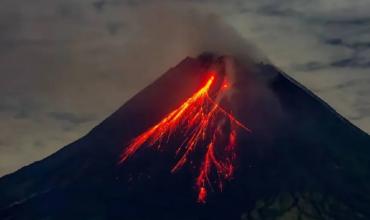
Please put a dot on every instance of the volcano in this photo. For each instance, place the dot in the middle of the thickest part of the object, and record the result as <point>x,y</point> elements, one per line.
<point>212,138</point>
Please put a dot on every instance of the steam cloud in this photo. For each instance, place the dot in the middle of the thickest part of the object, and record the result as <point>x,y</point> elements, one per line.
<point>164,34</point>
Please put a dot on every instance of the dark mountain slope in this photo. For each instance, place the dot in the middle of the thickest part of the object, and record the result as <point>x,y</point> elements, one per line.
<point>302,160</point>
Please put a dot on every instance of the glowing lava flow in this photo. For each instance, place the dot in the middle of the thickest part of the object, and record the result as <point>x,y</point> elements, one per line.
<point>203,126</point>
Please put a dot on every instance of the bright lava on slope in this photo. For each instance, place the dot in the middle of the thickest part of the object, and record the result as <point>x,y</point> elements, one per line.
<point>204,126</point>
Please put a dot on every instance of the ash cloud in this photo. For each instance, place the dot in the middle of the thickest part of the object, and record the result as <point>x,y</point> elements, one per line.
<point>163,34</point>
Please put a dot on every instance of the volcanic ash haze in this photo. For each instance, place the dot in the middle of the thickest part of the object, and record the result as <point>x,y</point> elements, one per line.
<point>152,46</point>
<point>299,159</point>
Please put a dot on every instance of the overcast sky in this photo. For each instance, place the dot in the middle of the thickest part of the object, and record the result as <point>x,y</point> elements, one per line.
<point>65,65</point>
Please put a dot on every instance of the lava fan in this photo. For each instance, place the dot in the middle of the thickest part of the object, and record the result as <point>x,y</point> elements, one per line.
<point>203,126</point>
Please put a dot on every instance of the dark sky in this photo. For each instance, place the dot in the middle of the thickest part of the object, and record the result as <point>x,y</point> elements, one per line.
<point>65,64</point>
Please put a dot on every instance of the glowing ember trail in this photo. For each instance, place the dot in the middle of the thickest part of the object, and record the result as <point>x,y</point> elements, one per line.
<point>204,126</point>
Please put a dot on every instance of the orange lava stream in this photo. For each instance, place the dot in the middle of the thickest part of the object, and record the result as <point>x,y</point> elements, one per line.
<point>203,125</point>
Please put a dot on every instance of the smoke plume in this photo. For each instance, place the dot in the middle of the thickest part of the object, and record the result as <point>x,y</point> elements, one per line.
<point>163,34</point>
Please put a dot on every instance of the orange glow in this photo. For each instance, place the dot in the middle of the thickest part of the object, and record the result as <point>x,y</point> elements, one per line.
<point>202,195</point>
<point>204,126</point>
